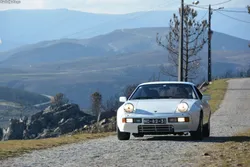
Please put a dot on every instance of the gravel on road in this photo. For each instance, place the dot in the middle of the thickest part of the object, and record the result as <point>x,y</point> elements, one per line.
<point>232,117</point>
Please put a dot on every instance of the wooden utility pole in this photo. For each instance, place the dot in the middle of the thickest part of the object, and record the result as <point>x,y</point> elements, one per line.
<point>209,72</point>
<point>180,65</point>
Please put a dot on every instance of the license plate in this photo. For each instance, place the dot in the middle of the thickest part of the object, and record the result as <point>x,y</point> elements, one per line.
<point>155,121</point>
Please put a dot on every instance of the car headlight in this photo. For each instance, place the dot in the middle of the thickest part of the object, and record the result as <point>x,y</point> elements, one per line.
<point>129,107</point>
<point>182,107</point>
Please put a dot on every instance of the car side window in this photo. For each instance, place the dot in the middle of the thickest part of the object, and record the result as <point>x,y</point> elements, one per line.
<point>198,92</point>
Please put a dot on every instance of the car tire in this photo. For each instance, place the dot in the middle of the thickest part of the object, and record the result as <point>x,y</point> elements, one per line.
<point>206,129</point>
<point>122,135</point>
<point>138,135</point>
<point>198,134</point>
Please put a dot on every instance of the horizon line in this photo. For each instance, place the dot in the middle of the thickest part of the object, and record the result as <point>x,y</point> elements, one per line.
<point>77,10</point>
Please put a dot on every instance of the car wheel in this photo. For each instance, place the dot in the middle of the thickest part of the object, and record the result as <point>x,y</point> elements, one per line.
<point>198,134</point>
<point>122,135</point>
<point>206,129</point>
<point>138,135</point>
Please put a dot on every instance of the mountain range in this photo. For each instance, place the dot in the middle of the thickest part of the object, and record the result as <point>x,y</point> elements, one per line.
<point>106,63</point>
<point>22,27</point>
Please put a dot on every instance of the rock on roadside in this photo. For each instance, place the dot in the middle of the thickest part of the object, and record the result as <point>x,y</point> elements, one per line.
<point>51,122</point>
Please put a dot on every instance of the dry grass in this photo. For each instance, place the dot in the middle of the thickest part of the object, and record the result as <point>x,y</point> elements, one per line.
<point>233,152</point>
<point>217,91</point>
<point>17,147</point>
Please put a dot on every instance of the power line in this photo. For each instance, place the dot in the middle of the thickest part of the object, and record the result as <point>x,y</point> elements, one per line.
<point>234,18</point>
<point>224,10</point>
<point>203,6</point>
<point>195,6</point>
<point>234,11</point>
<point>221,3</point>
<point>217,3</point>
<point>203,16</point>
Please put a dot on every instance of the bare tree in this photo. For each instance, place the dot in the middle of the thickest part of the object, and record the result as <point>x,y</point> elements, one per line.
<point>96,99</point>
<point>228,74</point>
<point>155,77</point>
<point>194,38</point>
<point>112,104</point>
<point>22,109</point>
<point>248,72</point>
<point>129,89</point>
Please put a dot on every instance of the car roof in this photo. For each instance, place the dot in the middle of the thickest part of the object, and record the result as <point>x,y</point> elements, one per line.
<point>167,82</point>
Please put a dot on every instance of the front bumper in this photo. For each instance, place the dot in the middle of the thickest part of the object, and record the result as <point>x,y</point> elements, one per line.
<point>166,128</point>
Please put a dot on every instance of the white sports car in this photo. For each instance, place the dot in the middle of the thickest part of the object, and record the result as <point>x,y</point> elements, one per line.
<point>161,108</point>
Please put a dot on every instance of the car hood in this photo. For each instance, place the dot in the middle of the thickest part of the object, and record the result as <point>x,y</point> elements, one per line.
<point>156,105</point>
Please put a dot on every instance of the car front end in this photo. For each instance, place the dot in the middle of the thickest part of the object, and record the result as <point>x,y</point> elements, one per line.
<point>158,117</point>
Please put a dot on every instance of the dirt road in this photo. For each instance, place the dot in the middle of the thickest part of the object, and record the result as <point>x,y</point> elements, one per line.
<point>232,117</point>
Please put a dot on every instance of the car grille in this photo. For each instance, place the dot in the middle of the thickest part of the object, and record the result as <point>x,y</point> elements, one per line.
<point>155,129</point>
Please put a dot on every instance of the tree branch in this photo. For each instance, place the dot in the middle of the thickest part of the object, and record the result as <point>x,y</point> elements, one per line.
<point>194,60</point>
<point>167,72</point>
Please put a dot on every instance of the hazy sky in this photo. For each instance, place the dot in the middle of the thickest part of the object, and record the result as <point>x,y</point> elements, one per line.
<point>114,6</point>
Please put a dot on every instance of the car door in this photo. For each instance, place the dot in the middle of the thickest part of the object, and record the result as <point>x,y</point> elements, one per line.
<point>205,105</point>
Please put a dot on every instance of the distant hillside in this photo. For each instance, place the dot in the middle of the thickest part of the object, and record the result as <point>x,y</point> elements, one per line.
<point>21,96</point>
<point>119,42</point>
<point>54,53</point>
<point>125,56</point>
<point>31,26</point>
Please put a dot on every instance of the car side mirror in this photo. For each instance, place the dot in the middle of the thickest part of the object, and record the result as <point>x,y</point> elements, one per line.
<point>206,97</point>
<point>123,99</point>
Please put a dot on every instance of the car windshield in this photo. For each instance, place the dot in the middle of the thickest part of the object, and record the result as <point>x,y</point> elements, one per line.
<point>164,91</point>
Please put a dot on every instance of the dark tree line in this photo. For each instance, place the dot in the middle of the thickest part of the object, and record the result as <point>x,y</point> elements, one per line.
<point>240,73</point>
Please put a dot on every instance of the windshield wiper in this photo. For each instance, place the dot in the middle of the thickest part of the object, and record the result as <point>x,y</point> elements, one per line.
<point>143,98</point>
<point>165,97</point>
